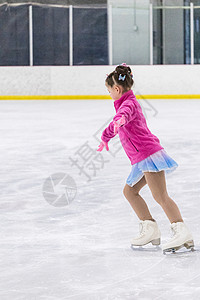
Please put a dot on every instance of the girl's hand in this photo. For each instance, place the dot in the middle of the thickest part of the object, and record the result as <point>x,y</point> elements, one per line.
<point>102,145</point>
<point>118,124</point>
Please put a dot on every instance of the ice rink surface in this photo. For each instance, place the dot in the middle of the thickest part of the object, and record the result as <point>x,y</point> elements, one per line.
<point>81,251</point>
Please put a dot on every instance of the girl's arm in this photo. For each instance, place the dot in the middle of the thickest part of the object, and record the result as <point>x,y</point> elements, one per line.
<point>127,109</point>
<point>108,133</point>
<point>125,114</point>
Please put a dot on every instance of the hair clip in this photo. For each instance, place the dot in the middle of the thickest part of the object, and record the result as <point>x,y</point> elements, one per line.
<point>122,77</point>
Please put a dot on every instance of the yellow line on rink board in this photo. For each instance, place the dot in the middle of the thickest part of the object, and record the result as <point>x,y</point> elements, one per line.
<point>168,97</point>
<point>56,97</point>
<point>92,97</point>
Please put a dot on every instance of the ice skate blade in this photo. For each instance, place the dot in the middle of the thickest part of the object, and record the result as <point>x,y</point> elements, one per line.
<point>146,248</point>
<point>188,245</point>
<point>155,242</point>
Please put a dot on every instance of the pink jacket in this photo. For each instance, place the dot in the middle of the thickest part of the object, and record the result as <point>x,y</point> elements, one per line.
<point>136,138</point>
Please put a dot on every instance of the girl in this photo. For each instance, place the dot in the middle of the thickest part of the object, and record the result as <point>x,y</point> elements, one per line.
<point>149,163</point>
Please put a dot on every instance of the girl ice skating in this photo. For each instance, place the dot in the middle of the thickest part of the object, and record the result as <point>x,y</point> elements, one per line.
<point>149,162</point>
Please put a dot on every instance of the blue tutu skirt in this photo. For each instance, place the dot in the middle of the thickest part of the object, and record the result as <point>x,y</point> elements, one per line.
<point>156,162</point>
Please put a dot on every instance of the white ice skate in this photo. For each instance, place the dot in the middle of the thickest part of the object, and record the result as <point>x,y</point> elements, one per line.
<point>149,233</point>
<point>181,238</point>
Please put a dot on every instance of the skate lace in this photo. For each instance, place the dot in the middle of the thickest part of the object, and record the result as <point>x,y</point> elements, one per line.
<point>174,231</point>
<point>142,229</point>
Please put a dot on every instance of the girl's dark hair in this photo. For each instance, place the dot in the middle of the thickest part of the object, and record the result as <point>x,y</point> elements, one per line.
<point>122,76</point>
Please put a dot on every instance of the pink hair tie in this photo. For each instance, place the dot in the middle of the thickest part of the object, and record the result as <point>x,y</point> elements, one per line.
<point>124,64</point>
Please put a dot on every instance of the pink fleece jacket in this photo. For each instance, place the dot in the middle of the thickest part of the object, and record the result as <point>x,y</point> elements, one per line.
<point>136,138</point>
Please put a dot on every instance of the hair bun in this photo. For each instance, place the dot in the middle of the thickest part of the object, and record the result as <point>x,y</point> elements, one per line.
<point>122,75</point>
<point>123,69</point>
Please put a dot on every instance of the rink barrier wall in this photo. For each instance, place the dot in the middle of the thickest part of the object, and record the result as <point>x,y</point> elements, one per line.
<point>95,97</point>
<point>88,82</point>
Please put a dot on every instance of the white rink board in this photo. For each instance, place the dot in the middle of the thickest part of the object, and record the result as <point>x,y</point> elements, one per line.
<point>82,251</point>
<point>89,80</point>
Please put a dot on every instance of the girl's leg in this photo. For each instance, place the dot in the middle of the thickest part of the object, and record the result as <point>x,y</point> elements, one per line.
<point>136,201</point>
<point>157,184</point>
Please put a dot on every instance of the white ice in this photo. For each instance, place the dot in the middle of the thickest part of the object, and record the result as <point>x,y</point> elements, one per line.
<point>82,250</point>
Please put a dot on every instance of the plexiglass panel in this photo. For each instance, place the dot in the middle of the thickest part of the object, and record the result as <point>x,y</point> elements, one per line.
<point>197,34</point>
<point>50,35</point>
<point>169,32</point>
<point>130,31</point>
<point>90,37</point>
<point>14,36</point>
